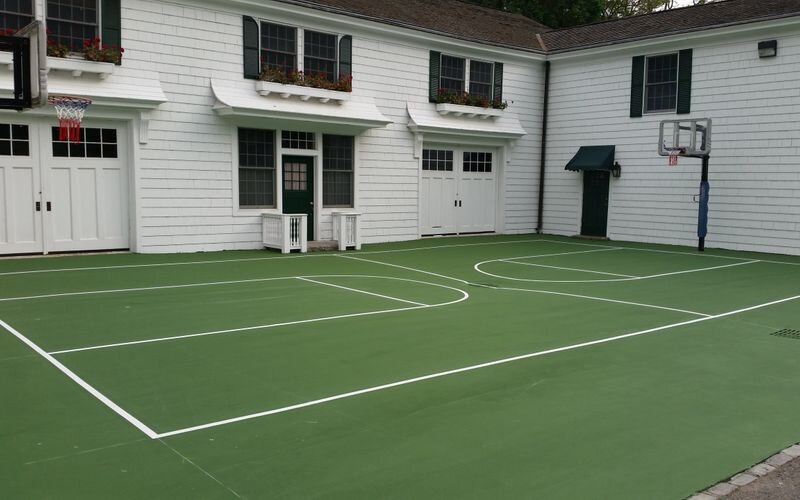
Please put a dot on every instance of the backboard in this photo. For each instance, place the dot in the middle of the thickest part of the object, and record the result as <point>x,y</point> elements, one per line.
<point>28,50</point>
<point>691,137</point>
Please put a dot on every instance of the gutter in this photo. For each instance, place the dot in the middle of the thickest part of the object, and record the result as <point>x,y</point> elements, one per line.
<point>543,149</point>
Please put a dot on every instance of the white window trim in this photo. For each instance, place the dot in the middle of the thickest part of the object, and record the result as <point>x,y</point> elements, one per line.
<point>677,87</point>
<point>300,42</point>
<point>467,67</point>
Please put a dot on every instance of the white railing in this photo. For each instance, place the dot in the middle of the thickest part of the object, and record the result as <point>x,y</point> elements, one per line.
<point>346,230</point>
<point>285,232</point>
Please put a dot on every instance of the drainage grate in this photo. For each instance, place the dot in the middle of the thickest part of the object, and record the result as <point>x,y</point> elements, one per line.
<point>788,333</point>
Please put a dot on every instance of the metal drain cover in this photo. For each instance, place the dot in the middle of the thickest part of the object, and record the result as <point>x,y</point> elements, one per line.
<point>788,333</point>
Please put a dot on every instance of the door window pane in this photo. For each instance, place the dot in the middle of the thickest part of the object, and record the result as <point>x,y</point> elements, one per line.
<point>14,140</point>
<point>94,143</point>
<point>437,160</point>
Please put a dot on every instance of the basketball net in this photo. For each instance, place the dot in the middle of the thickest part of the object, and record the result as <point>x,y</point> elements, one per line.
<point>673,159</point>
<point>70,112</point>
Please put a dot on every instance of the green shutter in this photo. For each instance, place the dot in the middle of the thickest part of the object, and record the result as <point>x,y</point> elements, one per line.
<point>252,58</point>
<point>637,86</point>
<point>433,87</point>
<point>346,56</point>
<point>685,81</point>
<point>497,95</point>
<point>111,23</point>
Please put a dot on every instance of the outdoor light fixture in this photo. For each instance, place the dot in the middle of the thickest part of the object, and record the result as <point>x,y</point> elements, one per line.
<point>616,169</point>
<point>768,48</point>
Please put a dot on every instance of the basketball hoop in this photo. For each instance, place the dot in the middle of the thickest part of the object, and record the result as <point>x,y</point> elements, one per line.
<point>70,112</point>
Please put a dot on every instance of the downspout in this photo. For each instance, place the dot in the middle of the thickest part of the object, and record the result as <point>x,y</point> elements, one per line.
<point>540,216</point>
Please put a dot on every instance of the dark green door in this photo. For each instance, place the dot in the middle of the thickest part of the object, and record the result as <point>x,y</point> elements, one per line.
<point>298,188</point>
<point>595,203</point>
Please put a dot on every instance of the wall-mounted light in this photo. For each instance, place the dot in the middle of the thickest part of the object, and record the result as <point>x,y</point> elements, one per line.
<point>767,48</point>
<point>616,169</point>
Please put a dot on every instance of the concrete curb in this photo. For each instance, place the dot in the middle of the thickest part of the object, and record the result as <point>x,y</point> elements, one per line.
<point>743,478</point>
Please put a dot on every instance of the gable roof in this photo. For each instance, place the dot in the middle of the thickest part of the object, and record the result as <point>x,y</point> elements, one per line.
<point>469,22</point>
<point>670,22</point>
<point>453,18</point>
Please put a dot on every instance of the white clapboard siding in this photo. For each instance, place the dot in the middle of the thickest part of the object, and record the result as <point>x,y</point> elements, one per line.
<point>185,171</point>
<point>754,170</point>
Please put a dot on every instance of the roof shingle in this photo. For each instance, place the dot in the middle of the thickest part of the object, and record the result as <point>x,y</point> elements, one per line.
<point>455,18</point>
<point>686,19</point>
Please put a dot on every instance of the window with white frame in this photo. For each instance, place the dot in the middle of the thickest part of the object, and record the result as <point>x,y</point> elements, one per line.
<point>661,83</point>
<point>256,168</point>
<point>337,170</point>
<point>281,50</point>
<point>71,22</point>
<point>460,74</point>
<point>15,14</point>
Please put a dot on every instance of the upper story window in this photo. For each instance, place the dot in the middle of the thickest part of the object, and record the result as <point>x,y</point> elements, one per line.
<point>661,83</point>
<point>279,47</point>
<point>71,22</point>
<point>15,14</point>
<point>452,76</point>
<point>288,54</point>
<point>480,78</point>
<point>460,80</point>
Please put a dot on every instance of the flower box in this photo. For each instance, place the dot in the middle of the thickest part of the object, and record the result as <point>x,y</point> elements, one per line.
<point>80,66</point>
<point>304,93</point>
<point>469,111</point>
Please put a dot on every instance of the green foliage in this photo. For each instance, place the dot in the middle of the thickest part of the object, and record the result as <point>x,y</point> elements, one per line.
<point>564,13</point>
<point>553,13</point>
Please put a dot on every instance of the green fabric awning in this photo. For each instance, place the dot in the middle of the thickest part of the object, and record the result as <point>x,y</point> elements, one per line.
<point>592,158</point>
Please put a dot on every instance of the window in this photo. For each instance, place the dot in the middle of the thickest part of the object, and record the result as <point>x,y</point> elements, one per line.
<point>295,177</point>
<point>477,162</point>
<point>337,170</point>
<point>452,73</point>
<point>15,14</point>
<point>661,83</point>
<point>320,54</point>
<point>437,159</point>
<point>14,140</point>
<point>480,79</point>
<point>94,143</point>
<point>70,22</point>
<point>256,168</point>
<point>279,47</point>
<point>297,140</point>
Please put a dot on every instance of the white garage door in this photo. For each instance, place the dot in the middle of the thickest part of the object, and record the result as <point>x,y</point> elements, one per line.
<point>63,196</point>
<point>458,191</point>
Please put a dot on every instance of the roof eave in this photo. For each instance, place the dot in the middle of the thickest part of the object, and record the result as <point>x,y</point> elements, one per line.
<point>752,22</point>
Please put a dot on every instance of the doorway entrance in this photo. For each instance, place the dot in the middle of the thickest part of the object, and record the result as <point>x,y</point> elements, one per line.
<point>594,220</point>
<point>298,188</point>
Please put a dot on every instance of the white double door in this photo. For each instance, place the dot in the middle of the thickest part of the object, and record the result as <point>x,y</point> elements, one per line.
<point>60,197</point>
<point>458,190</point>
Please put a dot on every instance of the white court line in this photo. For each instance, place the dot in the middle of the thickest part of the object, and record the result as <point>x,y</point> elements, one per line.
<point>477,267</point>
<point>538,256</point>
<point>88,388</point>
<point>601,299</point>
<point>406,268</point>
<point>464,296</point>
<point>143,289</point>
<point>463,370</point>
<point>255,259</point>
<point>363,291</point>
<point>587,297</point>
<point>673,252</point>
<point>568,269</point>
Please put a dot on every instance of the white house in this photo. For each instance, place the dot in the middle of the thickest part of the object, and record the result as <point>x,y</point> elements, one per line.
<point>187,145</point>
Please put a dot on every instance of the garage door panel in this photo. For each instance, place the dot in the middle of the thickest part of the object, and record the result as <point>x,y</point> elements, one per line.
<point>60,198</point>
<point>22,194</point>
<point>86,180</point>
<point>112,195</point>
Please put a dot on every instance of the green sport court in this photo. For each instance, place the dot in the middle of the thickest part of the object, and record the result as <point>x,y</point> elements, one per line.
<point>482,367</point>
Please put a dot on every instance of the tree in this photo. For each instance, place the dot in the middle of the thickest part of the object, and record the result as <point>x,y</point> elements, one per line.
<point>564,13</point>
<point>553,13</point>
